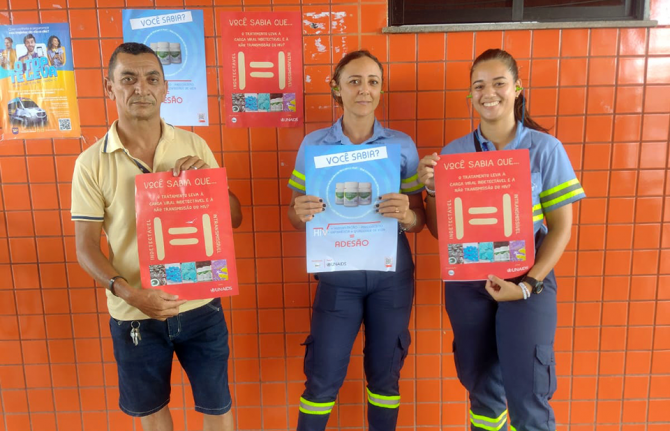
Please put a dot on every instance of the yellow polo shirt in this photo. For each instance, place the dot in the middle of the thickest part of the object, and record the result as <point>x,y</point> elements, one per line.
<point>103,190</point>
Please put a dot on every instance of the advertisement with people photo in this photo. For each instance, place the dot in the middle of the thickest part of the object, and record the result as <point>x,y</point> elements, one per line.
<point>37,83</point>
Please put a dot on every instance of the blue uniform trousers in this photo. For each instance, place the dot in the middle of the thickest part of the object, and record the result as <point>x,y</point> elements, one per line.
<point>382,301</point>
<point>504,355</point>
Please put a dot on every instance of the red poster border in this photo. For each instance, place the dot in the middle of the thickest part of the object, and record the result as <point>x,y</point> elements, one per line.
<point>449,173</point>
<point>146,203</point>
<point>288,22</point>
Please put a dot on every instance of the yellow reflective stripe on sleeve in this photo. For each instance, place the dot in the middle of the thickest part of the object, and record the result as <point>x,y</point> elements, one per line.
<point>298,174</point>
<point>384,401</point>
<point>487,423</point>
<point>410,184</point>
<point>312,408</point>
<point>296,185</point>
<point>537,213</point>
<point>411,189</point>
<point>562,198</point>
<point>411,179</point>
<point>559,187</point>
<point>512,428</point>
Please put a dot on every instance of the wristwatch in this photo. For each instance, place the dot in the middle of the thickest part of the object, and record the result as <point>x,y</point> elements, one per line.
<point>536,285</point>
<point>112,280</point>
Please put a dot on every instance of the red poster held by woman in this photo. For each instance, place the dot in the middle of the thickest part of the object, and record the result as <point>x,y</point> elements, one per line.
<point>485,212</point>
<point>184,233</point>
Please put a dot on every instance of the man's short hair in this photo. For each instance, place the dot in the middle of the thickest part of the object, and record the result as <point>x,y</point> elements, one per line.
<point>9,39</point>
<point>29,36</point>
<point>132,48</point>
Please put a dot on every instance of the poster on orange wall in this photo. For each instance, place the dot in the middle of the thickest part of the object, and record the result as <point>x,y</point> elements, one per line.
<point>184,233</point>
<point>38,97</point>
<point>262,68</point>
<point>485,215</point>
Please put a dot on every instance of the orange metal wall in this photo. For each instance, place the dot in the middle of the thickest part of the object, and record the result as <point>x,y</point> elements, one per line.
<point>605,93</point>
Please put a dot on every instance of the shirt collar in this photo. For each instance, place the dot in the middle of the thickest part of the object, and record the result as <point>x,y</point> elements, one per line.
<point>336,134</point>
<point>113,142</point>
<point>515,144</point>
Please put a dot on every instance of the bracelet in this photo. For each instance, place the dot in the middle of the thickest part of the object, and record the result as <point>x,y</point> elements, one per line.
<point>429,192</point>
<point>405,229</point>
<point>111,283</point>
<point>524,289</point>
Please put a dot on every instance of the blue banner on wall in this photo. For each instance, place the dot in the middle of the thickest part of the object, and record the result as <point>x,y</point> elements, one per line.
<point>178,38</point>
<point>349,235</point>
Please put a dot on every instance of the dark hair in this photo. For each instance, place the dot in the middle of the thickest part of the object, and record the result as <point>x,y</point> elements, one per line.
<point>132,48</point>
<point>29,36</point>
<point>355,55</point>
<point>51,40</point>
<point>520,111</point>
<point>9,39</point>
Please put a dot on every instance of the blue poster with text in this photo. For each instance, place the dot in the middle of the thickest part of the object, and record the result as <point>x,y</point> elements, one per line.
<point>350,235</point>
<point>178,38</point>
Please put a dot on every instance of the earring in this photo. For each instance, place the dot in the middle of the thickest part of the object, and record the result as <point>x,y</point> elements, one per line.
<point>469,96</point>
<point>519,88</point>
<point>336,88</point>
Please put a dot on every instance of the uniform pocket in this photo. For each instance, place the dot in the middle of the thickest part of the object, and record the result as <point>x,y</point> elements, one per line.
<point>309,355</point>
<point>544,371</point>
<point>401,352</point>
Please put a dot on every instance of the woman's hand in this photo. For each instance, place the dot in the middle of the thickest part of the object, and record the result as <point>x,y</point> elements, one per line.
<point>306,206</point>
<point>426,170</point>
<point>395,205</point>
<point>502,290</point>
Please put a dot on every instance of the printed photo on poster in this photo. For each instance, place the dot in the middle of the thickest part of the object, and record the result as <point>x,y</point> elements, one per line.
<point>350,235</point>
<point>485,212</point>
<point>262,64</point>
<point>37,86</point>
<point>178,39</point>
<point>184,233</point>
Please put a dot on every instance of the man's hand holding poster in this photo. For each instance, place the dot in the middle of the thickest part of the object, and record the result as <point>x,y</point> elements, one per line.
<point>184,233</point>
<point>350,235</point>
<point>485,215</point>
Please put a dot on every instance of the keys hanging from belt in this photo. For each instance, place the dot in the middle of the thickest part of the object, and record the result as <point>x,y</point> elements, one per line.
<point>135,332</point>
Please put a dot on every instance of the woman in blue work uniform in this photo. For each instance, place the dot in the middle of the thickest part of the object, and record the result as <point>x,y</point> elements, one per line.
<point>382,301</point>
<point>504,329</point>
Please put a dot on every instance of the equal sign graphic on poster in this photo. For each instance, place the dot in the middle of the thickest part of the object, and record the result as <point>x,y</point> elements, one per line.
<point>261,69</point>
<point>484,216</point>
<point>179,237</point>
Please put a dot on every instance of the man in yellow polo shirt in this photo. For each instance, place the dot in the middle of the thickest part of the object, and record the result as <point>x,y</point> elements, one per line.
<point>103,197</point>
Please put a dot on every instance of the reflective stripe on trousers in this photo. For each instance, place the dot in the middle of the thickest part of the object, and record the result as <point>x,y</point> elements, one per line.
<point>311,408</point>
<point>489,424</point>
<point>385,401</point>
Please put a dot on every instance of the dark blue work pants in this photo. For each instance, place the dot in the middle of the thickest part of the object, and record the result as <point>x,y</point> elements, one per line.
<point>382,301</point>
<point>504,355</point>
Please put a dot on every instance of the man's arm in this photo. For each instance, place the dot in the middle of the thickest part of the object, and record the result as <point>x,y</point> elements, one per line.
<point>153,302</point>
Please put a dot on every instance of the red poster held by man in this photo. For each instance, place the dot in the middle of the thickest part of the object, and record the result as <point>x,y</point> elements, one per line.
<point>262,68</point>
<point>184,233</point>
<point>485,215</point>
